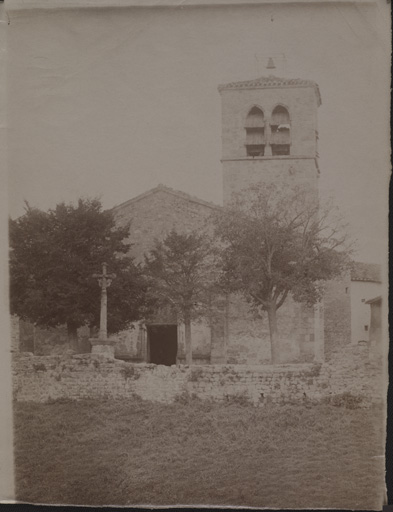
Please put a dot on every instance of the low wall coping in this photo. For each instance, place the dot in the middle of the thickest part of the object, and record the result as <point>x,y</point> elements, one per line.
<point>97,341</point>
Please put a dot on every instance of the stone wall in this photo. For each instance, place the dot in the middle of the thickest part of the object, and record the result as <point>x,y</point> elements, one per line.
<point>248,340</point>
<point>283,171</point>
<point>301,103</point>
<point>26,337</point>
<point>45,378</point>
<point>233,334</point>
<point>346,313</point>
<point>132,344</point>
<point>240,171</point>
<point>361,292</point>
<point>154,214</point>
<point>337,313</point>
<point>15,334</point>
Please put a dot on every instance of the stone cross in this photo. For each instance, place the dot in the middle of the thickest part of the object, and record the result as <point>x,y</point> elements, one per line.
<point>104,281</point>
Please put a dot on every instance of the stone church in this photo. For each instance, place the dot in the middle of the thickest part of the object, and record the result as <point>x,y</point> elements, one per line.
<point>269,134</point>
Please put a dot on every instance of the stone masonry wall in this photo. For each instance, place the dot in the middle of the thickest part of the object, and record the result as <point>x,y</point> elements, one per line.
<point>29,338</point>
<point>284,172</point>
<point>155,214</point>
<point>337,306</point>
<point>45,378</point>
<point>234,335</point>
<point>361,292</point>
<point>15,334</point>
<point>301,103</point>
<point>240,171</point>
<point>249,335</point>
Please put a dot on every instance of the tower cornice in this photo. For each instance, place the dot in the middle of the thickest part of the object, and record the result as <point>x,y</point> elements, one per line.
<point>272,82</point>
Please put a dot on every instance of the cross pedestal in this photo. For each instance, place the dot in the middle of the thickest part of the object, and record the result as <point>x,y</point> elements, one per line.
<point>102,345</point>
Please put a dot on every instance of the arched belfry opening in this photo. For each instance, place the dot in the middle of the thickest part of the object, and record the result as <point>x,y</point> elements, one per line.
<point>269,126</point>
<point>280,126</point>
<point>255,132</point>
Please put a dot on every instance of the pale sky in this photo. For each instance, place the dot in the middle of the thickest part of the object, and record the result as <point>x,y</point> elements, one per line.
<point>113,102</point>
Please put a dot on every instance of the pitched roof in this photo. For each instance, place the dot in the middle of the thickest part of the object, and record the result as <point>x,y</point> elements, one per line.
<point>266,82</point>
<point>366,272</point>
<point>168,190</point>
<point>375,300</point>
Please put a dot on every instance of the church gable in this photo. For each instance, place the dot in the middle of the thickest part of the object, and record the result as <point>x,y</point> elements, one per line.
<point>155,213</point>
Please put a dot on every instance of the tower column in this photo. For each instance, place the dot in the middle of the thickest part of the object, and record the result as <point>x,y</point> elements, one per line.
<point>319,342</point>
<point>268,135</point>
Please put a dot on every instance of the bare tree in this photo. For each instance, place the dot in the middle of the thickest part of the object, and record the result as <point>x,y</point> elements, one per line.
<point>278,242</point>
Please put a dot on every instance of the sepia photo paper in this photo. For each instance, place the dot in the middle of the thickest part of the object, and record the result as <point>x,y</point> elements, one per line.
<point>194,245</point>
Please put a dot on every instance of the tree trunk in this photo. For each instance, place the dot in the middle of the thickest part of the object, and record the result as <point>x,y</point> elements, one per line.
<point>187,328</point>
<point>226,328</point>
<point>72,332</point>
<point>274,339</point>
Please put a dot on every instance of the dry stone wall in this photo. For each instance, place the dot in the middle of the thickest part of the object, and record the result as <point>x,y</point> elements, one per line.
<point>46,378</point>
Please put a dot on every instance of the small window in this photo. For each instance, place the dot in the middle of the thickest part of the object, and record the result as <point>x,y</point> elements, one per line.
<point>346,289</point>
<point>255,133</point>
<point>366,327</point>
<point>363,300</point>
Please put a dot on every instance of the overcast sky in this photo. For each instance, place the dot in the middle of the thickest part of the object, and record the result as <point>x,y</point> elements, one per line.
<point>113,102</point>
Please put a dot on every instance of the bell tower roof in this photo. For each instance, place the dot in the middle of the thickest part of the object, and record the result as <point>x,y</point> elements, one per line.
<point>269,82</point>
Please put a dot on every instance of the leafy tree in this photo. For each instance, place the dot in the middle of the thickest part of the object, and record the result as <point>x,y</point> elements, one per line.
<point>278,242</point>
<point>53,256</point>
<point>181,274</point>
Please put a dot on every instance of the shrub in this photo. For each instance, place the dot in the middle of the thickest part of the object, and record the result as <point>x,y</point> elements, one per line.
<point>196,374</point>
<point>240,398</point>
<point>129,372</point>
<point>315,370</point>
<point>39,367</point>
<point>347,400</point>
<point>184,398</point>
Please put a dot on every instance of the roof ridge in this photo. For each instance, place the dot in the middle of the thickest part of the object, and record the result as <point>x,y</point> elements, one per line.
<point>178,193</point>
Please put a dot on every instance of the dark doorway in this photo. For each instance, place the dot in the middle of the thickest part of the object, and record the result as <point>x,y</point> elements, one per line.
<point>162,344</point>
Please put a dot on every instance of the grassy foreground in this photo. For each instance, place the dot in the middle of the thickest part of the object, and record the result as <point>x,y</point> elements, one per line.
<point>135,452</point>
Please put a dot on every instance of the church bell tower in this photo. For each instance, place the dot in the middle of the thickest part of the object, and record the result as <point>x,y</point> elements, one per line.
<point>269,133</point>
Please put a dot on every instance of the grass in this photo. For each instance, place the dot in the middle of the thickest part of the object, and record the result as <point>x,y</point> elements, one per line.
<point>135,452</point>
